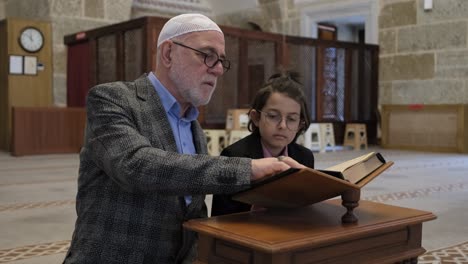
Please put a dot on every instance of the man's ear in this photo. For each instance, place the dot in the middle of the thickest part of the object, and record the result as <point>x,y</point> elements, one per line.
<point>166,49</point>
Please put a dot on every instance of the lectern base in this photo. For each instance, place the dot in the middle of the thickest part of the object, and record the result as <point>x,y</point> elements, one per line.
<point>350,201</point>
<point>314,234</point>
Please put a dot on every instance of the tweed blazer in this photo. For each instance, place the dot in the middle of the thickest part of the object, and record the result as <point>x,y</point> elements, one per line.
<point>132,182</point>
<point>251,147</point>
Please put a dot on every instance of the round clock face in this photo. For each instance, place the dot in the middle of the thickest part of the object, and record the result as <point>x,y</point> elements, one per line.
<point>31,39</point>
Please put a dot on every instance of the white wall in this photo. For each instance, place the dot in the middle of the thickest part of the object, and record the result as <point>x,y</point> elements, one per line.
<point>314,11</point>
<point>230,6</point>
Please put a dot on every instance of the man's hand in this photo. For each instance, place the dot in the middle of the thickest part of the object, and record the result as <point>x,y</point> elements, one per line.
<point>266,167</point>
<point>269,166</point>
<point>291,162</point>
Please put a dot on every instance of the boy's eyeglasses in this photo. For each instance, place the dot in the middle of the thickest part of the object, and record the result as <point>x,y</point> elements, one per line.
<point>293,122</point>
<point>211,59</point>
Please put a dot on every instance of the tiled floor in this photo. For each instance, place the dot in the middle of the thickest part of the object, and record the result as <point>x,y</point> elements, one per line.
<point>37,201</point>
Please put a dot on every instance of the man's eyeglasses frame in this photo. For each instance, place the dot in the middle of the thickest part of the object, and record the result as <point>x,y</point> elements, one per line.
<point>224,62</point>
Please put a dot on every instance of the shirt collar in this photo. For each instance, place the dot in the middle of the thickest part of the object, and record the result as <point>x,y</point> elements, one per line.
<point>170,104</point>
<point>267,153</point>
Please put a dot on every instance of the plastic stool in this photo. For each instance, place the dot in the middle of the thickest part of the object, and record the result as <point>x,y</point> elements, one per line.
<point>311,137</point>
<point>216,141</point>
<point>355,136</point>
<point>235,135</point>
<point>327,136</point>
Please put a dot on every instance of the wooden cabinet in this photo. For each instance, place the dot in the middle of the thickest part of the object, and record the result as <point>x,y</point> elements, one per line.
<point>425,127</point>
<point>340,78</point>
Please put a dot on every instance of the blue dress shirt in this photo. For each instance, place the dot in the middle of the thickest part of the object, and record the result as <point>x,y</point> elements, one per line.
<point>181,126</point>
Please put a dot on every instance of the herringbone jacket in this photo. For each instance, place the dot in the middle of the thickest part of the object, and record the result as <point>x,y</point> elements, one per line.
<point>131,186</point>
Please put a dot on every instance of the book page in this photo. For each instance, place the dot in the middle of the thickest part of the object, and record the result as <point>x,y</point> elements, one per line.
<point>347,164</point>
<point>361,170</point>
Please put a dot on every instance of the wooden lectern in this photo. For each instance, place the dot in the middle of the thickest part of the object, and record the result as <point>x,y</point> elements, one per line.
<point>313,234</point>
<point>305,187</point>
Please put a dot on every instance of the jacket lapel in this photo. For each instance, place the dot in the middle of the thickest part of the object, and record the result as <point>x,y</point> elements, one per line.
<point>155,120</point>
<point>156,126</point>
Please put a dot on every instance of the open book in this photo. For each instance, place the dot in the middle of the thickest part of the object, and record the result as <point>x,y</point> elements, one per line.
<point>302,187</point>
<point>356,169</point>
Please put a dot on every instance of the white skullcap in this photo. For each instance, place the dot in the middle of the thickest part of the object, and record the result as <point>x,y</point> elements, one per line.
<point>186,23</point>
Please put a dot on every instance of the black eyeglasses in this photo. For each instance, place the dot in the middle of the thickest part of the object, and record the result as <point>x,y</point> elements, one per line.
<point>211,59</point>
<point>293,122</point>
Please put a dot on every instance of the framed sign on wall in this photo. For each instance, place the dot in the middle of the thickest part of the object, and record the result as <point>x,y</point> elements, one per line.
<point>16,64</point>
<point>30,65</point>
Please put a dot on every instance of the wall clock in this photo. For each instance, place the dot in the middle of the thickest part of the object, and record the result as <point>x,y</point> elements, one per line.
<point>31,39</point>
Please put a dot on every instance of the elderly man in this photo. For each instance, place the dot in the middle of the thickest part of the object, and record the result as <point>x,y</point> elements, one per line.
<point>144,167</point>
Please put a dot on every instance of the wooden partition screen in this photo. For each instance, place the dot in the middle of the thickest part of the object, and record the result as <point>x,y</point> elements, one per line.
<point>47,130</point>
<point>340,78</point>
<point>78,81</point>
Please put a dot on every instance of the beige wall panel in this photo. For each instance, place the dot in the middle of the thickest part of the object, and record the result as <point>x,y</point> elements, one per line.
<point>118,10</point>
<point>385,92</point>
<point>452,64</point>
<point>428,92</point>
<point>387,41</point>
<point>449,35</point>
<point>2,9</point>
<point>398,14</point>
<point>443,10</point>
<point>69,8</point>
<point>94,8</point>
<point>34,9</point>
<point>407,67</point>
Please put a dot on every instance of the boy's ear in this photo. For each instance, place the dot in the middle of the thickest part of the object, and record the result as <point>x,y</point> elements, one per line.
<point>255,117</point>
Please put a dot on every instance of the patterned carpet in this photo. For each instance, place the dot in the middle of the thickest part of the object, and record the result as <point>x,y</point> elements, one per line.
<point>37,201</point>
<point>454,254</point>
<point>457,254</point>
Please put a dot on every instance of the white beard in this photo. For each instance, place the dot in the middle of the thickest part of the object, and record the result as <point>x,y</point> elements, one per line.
<point>188,88</point>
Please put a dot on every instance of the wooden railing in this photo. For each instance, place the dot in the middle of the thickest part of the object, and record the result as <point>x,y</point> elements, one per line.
<point>340,78</point>
<point>46,130</point>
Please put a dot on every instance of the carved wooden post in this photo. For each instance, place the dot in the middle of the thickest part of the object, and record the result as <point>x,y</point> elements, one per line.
<point>350,201</point>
